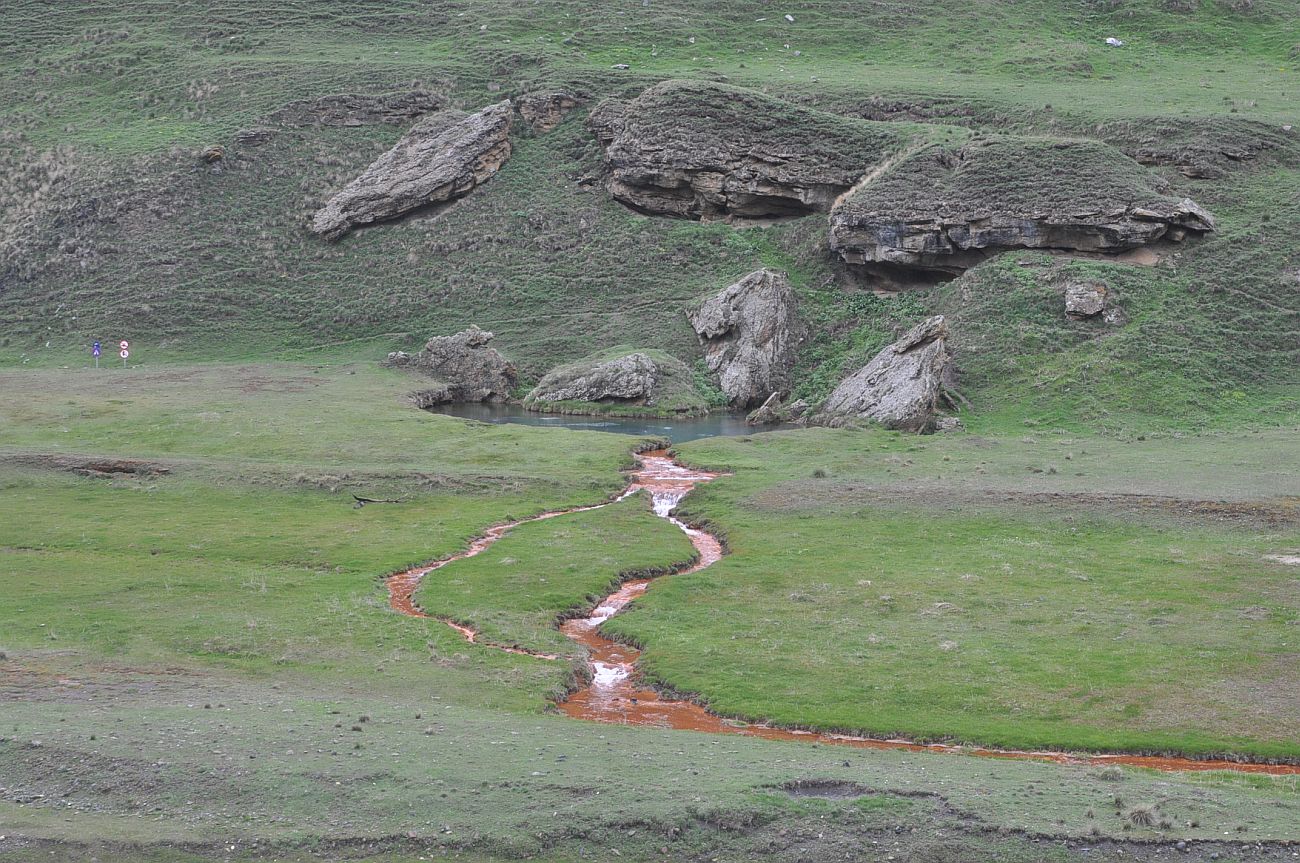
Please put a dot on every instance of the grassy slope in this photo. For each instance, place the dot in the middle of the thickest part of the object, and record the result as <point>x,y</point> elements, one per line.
<point>189,264</point>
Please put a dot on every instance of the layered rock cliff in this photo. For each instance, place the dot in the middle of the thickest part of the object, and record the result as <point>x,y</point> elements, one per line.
<point>946,209</point>
<point>698,150</point>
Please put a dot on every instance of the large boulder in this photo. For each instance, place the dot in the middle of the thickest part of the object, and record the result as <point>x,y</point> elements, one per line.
<point>945,209</point>
<point>648,380</point>
<point>440,159</point>
<point>466,368</point>
<point>900,387</point>
<point>699,150</point>
<point>750,332</point>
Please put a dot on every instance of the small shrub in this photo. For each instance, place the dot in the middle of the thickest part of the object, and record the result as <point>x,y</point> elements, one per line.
<point>1143,816</point>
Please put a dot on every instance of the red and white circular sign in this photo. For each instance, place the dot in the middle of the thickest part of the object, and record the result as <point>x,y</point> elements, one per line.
<point>124,344</point>
<point>124,354</point>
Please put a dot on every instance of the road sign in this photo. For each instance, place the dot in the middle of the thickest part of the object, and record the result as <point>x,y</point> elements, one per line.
<point>95,350</point>
<point>124,354</point>
<point>124,344</point>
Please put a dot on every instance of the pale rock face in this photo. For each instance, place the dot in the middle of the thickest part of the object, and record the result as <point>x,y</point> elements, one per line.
<point>900,387</point>
<point>468,369</point>
<point>440,159</point>
<point>1084,299</point>
<point>546,110</point>
<point>630,378</point>
<point>750,332</point>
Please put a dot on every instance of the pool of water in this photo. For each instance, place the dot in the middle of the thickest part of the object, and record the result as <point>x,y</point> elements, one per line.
<point>677,430</point>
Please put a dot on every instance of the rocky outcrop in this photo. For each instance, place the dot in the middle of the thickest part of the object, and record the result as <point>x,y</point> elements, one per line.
<point>750,332</point>
<point>467,369</point>
<point>946,209</point>
<point>772,412</point>
<point>545,110</point>
<point>440,159</point>
<point>698,150</point>
<point>354,109</point>
<point>900,387</point>
<point>647,379</point>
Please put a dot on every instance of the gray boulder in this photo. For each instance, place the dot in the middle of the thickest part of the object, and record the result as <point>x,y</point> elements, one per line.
<point>469,370</point>
<point>1084,299</point>
<point>750,332</point>
<point>630,379</point>
<point>440,159</point>
<point>900,387</point>
<point>627,378</point>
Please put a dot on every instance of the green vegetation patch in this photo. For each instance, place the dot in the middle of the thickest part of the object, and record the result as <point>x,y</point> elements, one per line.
<point>516,592</point>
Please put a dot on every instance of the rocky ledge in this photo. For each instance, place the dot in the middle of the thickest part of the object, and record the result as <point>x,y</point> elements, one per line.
<point>945,209</point>
<point>467,370</point>
<point>629,381</point>
<point>749,333</point>
<point>699,150</point>
<point>440,159</point>
<point>901,386</point>
<point>359,109</point>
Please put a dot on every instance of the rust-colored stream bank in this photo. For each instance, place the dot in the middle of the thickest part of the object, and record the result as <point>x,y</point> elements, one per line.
<point>614,696</point>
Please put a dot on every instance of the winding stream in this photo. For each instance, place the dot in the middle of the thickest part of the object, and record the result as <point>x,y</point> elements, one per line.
<point>613,695</point>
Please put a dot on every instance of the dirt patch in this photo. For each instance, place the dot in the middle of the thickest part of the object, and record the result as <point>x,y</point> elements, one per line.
<point>87,465</point>
<point>826,789</point>
<point>803,495</point>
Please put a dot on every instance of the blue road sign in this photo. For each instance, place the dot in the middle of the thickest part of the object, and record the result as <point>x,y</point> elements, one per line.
<point>95,350</point>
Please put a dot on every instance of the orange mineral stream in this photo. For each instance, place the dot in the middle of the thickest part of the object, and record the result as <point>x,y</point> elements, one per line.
<point>613,694</point>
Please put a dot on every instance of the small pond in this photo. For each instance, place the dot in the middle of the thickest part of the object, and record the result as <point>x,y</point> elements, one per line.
<point>678,430</point>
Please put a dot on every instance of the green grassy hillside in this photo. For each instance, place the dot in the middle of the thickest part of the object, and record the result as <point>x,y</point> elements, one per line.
<point>112,227</point>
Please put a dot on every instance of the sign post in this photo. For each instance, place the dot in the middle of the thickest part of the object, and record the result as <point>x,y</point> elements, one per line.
<point>95,353</point>
<point>124,353</point>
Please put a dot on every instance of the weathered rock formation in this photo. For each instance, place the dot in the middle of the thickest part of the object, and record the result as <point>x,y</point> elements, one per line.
<point>649,379</point>
<point>900,387</point>
<point>354,109</point>
<point>947,209</point>
<point>698,150</point>
<point>750,332</point>
<point>545,110</point>
<point>440,159</point>
<point>466,368</point>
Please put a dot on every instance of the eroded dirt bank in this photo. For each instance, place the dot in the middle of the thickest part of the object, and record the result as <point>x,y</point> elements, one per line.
<point>613,694</point>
